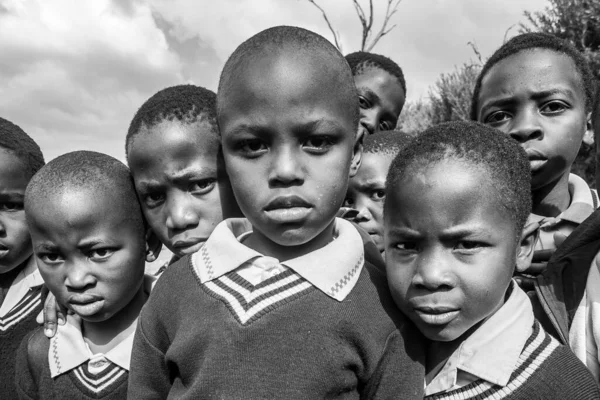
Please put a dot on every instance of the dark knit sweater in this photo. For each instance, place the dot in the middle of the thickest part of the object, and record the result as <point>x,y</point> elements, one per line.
<point>33,379</point>
<point>545,370</point>
<point>190,344</point>
<point>14,326</point>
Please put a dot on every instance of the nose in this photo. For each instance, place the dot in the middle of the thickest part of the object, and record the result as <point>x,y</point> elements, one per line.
<point>526,127</point>
<point>286,168</point>
<point>181,214</point>
<point>79,276</point>
<point>433,272</point>
<point>369,120</point>
<point>363,212</point>
<point>2,227</point>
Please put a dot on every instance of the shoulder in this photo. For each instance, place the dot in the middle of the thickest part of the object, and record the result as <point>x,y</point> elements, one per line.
<point>37,347</point>
<point>177,278</point>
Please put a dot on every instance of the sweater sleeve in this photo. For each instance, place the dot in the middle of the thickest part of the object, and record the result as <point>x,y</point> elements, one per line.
<point>400,373</point>
<point>149,374</point>
<point>26,364</point>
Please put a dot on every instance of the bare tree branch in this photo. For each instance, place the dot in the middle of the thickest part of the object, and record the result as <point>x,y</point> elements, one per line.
<point>391,9</point>
<point>336,35</point>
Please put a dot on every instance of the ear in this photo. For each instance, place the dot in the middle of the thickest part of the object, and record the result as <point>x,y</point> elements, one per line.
<point>526,248</point>
<point>357,152</point>
<point>153,246</point>
<point>588,136</point>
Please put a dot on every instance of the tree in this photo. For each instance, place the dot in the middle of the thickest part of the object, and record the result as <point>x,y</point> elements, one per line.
<point>369,38</point>
<point>577,21</point>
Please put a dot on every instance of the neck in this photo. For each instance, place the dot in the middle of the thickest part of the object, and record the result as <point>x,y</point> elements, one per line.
<point>552,199</point>
<point>105,335</point>
<point>265,246</point>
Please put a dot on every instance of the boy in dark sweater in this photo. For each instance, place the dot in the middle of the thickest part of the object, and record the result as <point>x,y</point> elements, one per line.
<point>90,242</point>
<point>366,189</point>
<point>282,304</point>
<point>455,212</point>
<point>539,89</point>
<point>20,281</point>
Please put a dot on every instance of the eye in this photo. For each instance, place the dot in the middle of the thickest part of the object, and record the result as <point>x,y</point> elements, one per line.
<point>50,258</point>
<point>318,144</point>
<point>553,107</point>
<point>100,254</point>
<point>406,247</point>
<point>469,245</point>
<point>496,118</point>
<point>153,199</point>
<point>386,126</point>
<point>378,195</point>
<point>11,206</point>
<point>203,186</point>
<point>348,202</point>
<point>253,147</point>
<point>363,102</point>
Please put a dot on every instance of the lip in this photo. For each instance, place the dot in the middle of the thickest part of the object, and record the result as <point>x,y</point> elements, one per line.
<point>438,315</point>
<point>537,160</point>
<point>287,209</point>
<point>3,250</point>
<point>188,246</point>
<point>85,305</point>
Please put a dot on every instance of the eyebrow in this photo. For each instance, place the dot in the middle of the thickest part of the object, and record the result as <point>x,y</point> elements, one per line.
<point>508,100</point>
<point>405,233</point>
<point>46,247</point>
<point>372,183</point>
<point>371,94</point>
<point>463,231</point>
<point>179,176</point>
<point>89,243</point>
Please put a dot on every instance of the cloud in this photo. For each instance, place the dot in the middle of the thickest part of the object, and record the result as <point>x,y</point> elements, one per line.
<point>73,73</point>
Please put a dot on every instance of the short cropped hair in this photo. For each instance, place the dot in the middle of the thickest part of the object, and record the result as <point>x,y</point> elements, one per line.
<point>280,39</point>
<point>543,41</point>
<point>386,142</point>
<point>184,103</point>
<point>596,116</point>
<point>503,159</point>
<point>361,60</point>
<point>87,170</point>
<point>14,140</point>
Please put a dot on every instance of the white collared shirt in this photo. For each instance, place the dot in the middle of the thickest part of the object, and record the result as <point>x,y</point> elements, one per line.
<point>492,351</point>
<point>28,278</point>
<point>333,269</point>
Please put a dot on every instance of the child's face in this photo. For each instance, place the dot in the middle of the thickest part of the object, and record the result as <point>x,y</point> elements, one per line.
<point>174,167</point>
<point>381,99</point>
<point>89,251</point>
<point>450,248</point>
<point>15,243</point>
<point>366,194</point>
<point>536,97</point>
<point>288,139</point>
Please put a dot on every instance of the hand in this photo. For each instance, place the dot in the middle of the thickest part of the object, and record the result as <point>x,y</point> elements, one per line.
<point>51,314</point>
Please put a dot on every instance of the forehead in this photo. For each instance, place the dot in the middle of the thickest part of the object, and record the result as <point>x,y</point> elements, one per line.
<point>529,72</point>
<point>173,145</point>
<point>13,172</point>
<point>382,83</point>
<point>374,166</point>
<point>282,85</point>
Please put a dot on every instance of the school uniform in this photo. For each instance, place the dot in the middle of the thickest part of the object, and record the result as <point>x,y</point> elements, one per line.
<point>510,356</point>
<point>228,322</point>
<point>19,306</point>
<point>64,367</point>
<point>568,293</point>
<point>583,203</point>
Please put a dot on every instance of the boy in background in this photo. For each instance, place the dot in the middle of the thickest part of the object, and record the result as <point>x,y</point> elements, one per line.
<point>381,90</point>
<point>20,281</point>
<point>539,89</point>
<point>90,242</point>
<point>458,197</point>
<point>366,189</point>
<point>288,308</point>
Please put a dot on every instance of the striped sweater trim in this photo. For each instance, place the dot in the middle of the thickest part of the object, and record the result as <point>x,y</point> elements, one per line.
<point>98,385</point>
<point>31,302</point>
<point>537,349</point>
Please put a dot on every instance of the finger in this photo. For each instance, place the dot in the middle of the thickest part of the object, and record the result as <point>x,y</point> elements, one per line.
<point>559,238</point>
<point>40,318</point>
<point>542,255</point>
<point>525,283</point>
<point>536,268</point>
<point>50,316</point>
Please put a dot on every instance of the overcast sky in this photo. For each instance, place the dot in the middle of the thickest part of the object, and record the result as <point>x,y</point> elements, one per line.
<point>73,73</point>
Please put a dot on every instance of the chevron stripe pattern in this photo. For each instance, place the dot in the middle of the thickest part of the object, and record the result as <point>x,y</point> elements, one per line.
<point>247,302</point>
<point>31,302</point>
<point>538,348</point>
<point>100,384</point>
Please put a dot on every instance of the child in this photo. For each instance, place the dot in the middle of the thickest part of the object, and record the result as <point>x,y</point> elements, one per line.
<point>539,89</point>
<point>569,289</point>
<point>381,90</point>
<point>287,308</point>
<point>366,190</point>
<point>20,281</point>
<point>172,148</point>
<point>458,197</point>
<point>90,241</point>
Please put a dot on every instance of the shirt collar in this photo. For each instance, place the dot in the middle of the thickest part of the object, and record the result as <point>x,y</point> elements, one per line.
<point>333,269</point>
<point>492,351</point>
<point>28,278</point>
<point>68,349</point>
